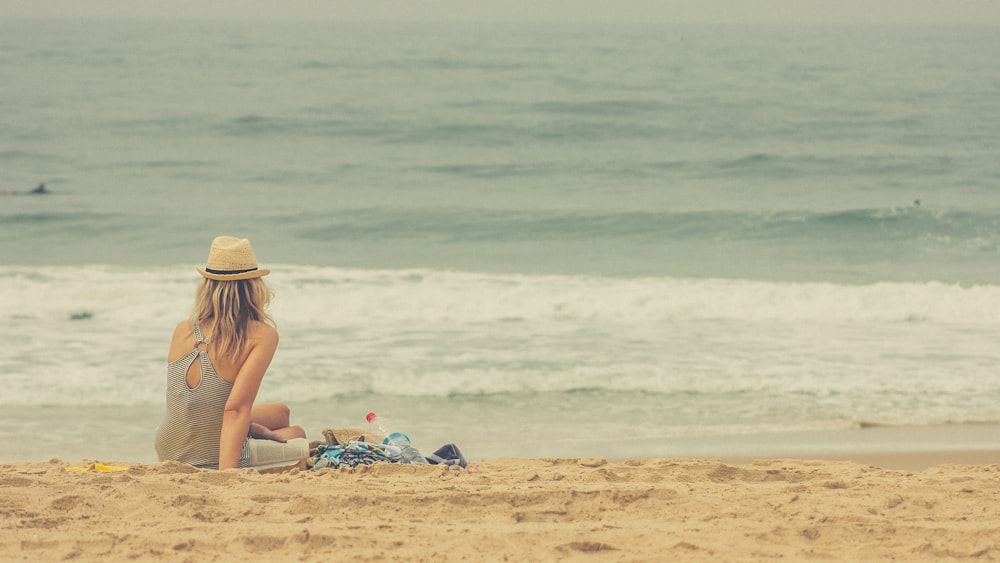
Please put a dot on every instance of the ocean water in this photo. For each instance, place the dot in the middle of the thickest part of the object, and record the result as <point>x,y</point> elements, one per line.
<point>529,240</point>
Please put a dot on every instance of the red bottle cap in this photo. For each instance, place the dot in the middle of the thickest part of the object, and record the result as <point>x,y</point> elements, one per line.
<point>370,416</point>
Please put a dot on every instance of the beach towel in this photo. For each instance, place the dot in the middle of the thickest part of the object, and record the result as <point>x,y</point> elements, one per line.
<point>353,454</point>
<point>353,447</point>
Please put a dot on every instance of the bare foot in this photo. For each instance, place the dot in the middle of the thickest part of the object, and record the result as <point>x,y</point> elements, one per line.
<point>262,432</point>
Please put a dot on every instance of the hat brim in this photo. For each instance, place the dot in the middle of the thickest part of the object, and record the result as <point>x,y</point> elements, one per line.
<point>258,273</point>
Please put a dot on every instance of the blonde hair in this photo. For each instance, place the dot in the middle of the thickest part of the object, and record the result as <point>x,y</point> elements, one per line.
<point>232,305</point>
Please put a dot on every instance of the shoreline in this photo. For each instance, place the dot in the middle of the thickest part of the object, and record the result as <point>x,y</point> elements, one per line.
<point>916,460</point>
<point>127,434</point>
<point>528,509</point>
<point>887,447</point>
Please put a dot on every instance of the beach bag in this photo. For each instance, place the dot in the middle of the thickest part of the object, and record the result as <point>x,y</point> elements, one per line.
<point>448,454</point>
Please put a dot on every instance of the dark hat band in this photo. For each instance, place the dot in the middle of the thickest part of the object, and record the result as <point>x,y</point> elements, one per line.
<point>229,272</point>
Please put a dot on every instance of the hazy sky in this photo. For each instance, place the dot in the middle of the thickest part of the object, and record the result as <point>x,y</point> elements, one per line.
<point>666,11</point>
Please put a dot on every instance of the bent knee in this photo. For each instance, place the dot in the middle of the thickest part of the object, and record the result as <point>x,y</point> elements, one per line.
<point>272,415</point>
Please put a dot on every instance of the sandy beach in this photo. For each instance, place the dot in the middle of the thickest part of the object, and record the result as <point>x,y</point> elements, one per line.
<point>510,509</point>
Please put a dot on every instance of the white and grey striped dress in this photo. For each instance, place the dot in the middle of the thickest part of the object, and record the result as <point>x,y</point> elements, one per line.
<point>192,423</point>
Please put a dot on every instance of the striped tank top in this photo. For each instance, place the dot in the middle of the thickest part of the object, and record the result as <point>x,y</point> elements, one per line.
<point>192,423</point>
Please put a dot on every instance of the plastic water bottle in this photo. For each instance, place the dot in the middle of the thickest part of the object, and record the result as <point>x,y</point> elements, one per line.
<point>382,428</point>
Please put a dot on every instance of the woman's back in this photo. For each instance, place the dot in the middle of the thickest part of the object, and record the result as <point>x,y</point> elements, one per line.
<point>196,398</point>
<point>185,340</point>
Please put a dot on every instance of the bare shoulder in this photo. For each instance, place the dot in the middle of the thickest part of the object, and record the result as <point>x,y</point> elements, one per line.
<point>183,329</point>
<point>262,333</point>
<point>182,340</point>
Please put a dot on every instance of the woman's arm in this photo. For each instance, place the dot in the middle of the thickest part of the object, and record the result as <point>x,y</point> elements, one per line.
<point>236,417</point>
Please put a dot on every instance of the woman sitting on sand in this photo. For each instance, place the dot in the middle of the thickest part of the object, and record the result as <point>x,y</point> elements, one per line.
<point>217,360</point>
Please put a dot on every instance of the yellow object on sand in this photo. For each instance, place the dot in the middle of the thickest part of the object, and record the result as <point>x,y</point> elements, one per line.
<point>97,467</point>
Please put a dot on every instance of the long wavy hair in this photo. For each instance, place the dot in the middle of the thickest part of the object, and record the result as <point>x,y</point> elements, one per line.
<point>232,305</point>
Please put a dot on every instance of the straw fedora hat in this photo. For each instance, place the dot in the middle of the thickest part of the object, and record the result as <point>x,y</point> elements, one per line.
<point>231,258</point>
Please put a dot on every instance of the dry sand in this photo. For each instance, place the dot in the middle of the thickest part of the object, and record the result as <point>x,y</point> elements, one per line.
<point>512,509</point>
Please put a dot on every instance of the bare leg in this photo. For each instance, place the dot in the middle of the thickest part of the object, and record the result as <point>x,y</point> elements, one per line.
<point>262,432</point>
<point>271,422</point>
<point>271,415</point>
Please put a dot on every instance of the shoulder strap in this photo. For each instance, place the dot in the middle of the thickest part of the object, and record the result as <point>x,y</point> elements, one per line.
<point>198,338</point>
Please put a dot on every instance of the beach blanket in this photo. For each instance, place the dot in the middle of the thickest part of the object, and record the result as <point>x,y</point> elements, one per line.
<point>353,447</point>
<point>353,454</point>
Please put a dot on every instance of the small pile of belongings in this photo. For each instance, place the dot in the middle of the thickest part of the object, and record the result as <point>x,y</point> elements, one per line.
<point>353,454</point>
